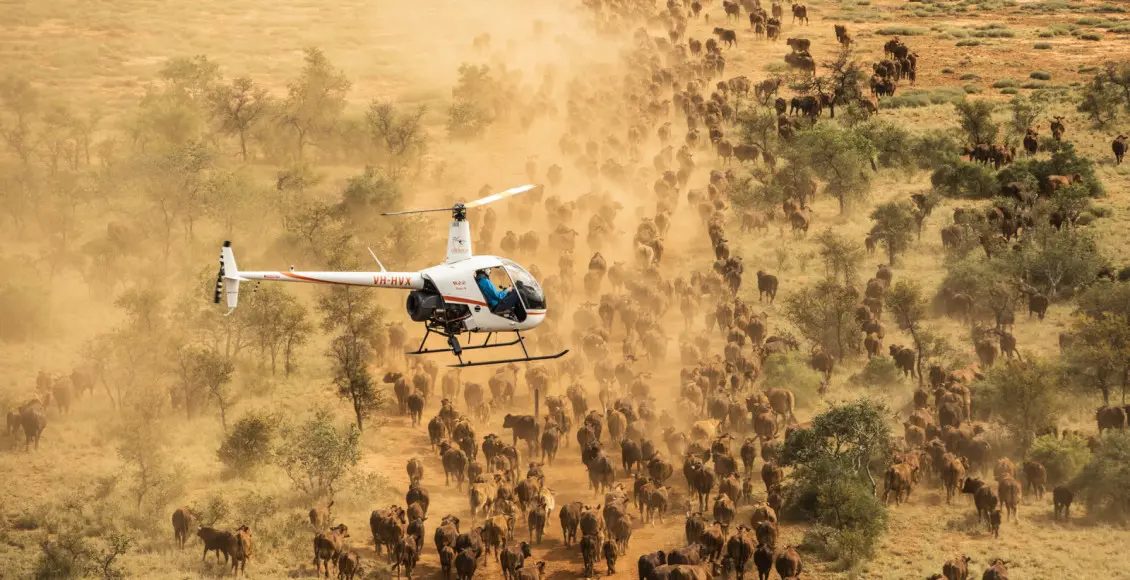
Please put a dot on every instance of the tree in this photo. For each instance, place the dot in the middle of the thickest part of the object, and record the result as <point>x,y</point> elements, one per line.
<point>832,481</point>
<point>908,308</point>
<point>1100,101</point>
<point>1062,458</point>
<point>357,319</point>
<point>278,324</point>
<point>467,120</point>
<point>894,226</point>
<point>1051,259</point>
<point>758,126</point>
<point>238,107</point>
<point>214,371</point>
<point>1118,74</point>
<point>841,256</point>
<point>825,315</point>
<point>837,156</point>
<point>1105,482</point>
<point>141,446</point>
<point>365,196</point>
<point>400,137</point>
<point>316,455</point>
<point>191,77</point>
<point>1098,356</point>
<point>1025,113</point>
<point>965,179</point>
<point>250,443</point>
<point>20,101</point>
<point>315,100</point>
<point>976,119</point>
<point>1022,395</point>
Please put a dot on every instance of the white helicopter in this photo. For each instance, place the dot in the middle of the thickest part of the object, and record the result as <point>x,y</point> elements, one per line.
<point>461,295</point>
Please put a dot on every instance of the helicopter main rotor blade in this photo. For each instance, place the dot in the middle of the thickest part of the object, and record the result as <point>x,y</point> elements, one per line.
<point>408,211</point>
<point>500,195</point>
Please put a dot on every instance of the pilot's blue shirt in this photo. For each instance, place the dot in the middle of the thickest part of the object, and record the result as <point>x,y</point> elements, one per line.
<point>492,294</point>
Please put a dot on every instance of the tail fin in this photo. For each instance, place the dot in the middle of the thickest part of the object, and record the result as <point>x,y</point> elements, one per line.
<point>229,275</point>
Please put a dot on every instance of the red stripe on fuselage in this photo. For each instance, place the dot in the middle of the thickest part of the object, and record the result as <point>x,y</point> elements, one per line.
<point>464,300</point>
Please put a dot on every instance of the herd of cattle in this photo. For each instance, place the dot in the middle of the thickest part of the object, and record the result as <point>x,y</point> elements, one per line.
<point>723,424</point>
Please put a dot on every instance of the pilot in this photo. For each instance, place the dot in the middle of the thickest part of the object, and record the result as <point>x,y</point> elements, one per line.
<point>497,300</point>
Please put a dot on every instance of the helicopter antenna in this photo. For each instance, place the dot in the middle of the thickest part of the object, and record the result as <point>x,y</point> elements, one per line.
<point>375,259</point>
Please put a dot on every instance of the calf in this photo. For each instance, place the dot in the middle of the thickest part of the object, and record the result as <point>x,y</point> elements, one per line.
<point>215,541</point>
<point>328,547</point>
<point>1062,496</point>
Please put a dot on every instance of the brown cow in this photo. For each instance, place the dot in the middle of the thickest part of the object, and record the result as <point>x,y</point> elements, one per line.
<point>957,568</point>
<point>1009,491</point>
<point>240,550</point>
<point>899,480</point>
<point>182,520</point>
<point>328,547</point>
<point>788,563</point>
<point>1036,477</point>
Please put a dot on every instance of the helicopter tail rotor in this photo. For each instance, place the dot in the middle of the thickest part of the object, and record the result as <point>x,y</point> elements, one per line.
<point>228,278</point>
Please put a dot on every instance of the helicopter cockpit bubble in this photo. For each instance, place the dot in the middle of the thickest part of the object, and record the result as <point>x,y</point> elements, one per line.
<point>533,297</point>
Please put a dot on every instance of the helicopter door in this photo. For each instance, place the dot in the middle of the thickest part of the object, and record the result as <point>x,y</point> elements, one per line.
<point>510,304</point>
<point>533,298</point>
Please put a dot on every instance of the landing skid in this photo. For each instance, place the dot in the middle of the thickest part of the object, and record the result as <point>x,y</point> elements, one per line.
<point>457,349</point>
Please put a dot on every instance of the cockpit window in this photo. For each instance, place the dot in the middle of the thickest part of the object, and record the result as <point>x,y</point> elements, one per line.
<point>530,291</point>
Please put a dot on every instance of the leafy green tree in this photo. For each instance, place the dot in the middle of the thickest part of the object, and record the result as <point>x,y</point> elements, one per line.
<point>894,226</point>
<point>238,107</point>
<point>832,479</point>
<point>975,117</point>
<point>399,136</point>
<point>1052,260</point>
<point>1100,100</point>
<point>1025,113</point>
<point>1104,482</point>
<point>758,126</point>
<point>964,179</point>
<point>1022,396</point>
<point>1098,356</point>
<point>1062,458</point>
<point>908,308</point>
<point>825,315</point>
<point>250,443</point>
<point>315,100</point>
<point>841,256</point>
<point>357,319</point>
<point>365,196</point>
<point>317,456</point>
<point>839,157</point>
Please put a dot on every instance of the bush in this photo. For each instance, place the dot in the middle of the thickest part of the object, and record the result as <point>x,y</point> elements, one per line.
<point>879,372</point>
<point>249,443</point>
<point>1063,458</point>
<point>1104,482</point>
<point>965,179</point>
<point>923,98</point>
<point>1040,75</point>
<point>971,89</point>
<point>1004,83</point>
<point>1090,36</point>
<point>1009,91</point>
<point>64,556</point>
<point>791,371</point>
<point>317,456</point>
<point>968,43</point>
<point>1022,396</point>
<point>970,77</point>
<point>900,31</point>
<point>1042,46</point>
<point>467,120</point>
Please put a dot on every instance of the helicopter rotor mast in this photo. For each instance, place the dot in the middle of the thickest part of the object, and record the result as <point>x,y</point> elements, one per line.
<point>459,233</point>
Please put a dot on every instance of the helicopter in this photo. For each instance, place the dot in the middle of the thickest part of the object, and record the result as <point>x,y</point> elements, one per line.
<point>450,299</point>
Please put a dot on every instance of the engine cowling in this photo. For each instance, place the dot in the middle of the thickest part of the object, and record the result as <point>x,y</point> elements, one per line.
<point>422,304</point>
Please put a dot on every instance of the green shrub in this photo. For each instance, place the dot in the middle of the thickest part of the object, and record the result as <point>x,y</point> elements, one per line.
<point>924,98</point>
<point>971,89</point>
<point>900,31</point>
<point>970,77</point>
<point>1088,21</point>
<point>1120,29</point>
<point>1090,36</point>
<point>969,43</point>
<point>791,371</point>
<point>947,71</point>
<point>1042,46</point>
<point>1063,458</point>
<point>248,445</point>
<point>1004,83</point>
<point>880,372</point>
<point>65,556</point>
<point>994,33</point>
<point>1009,91</point>
<point>1104,482</point>
<point>1040,75</point>
<point>965,179</point>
